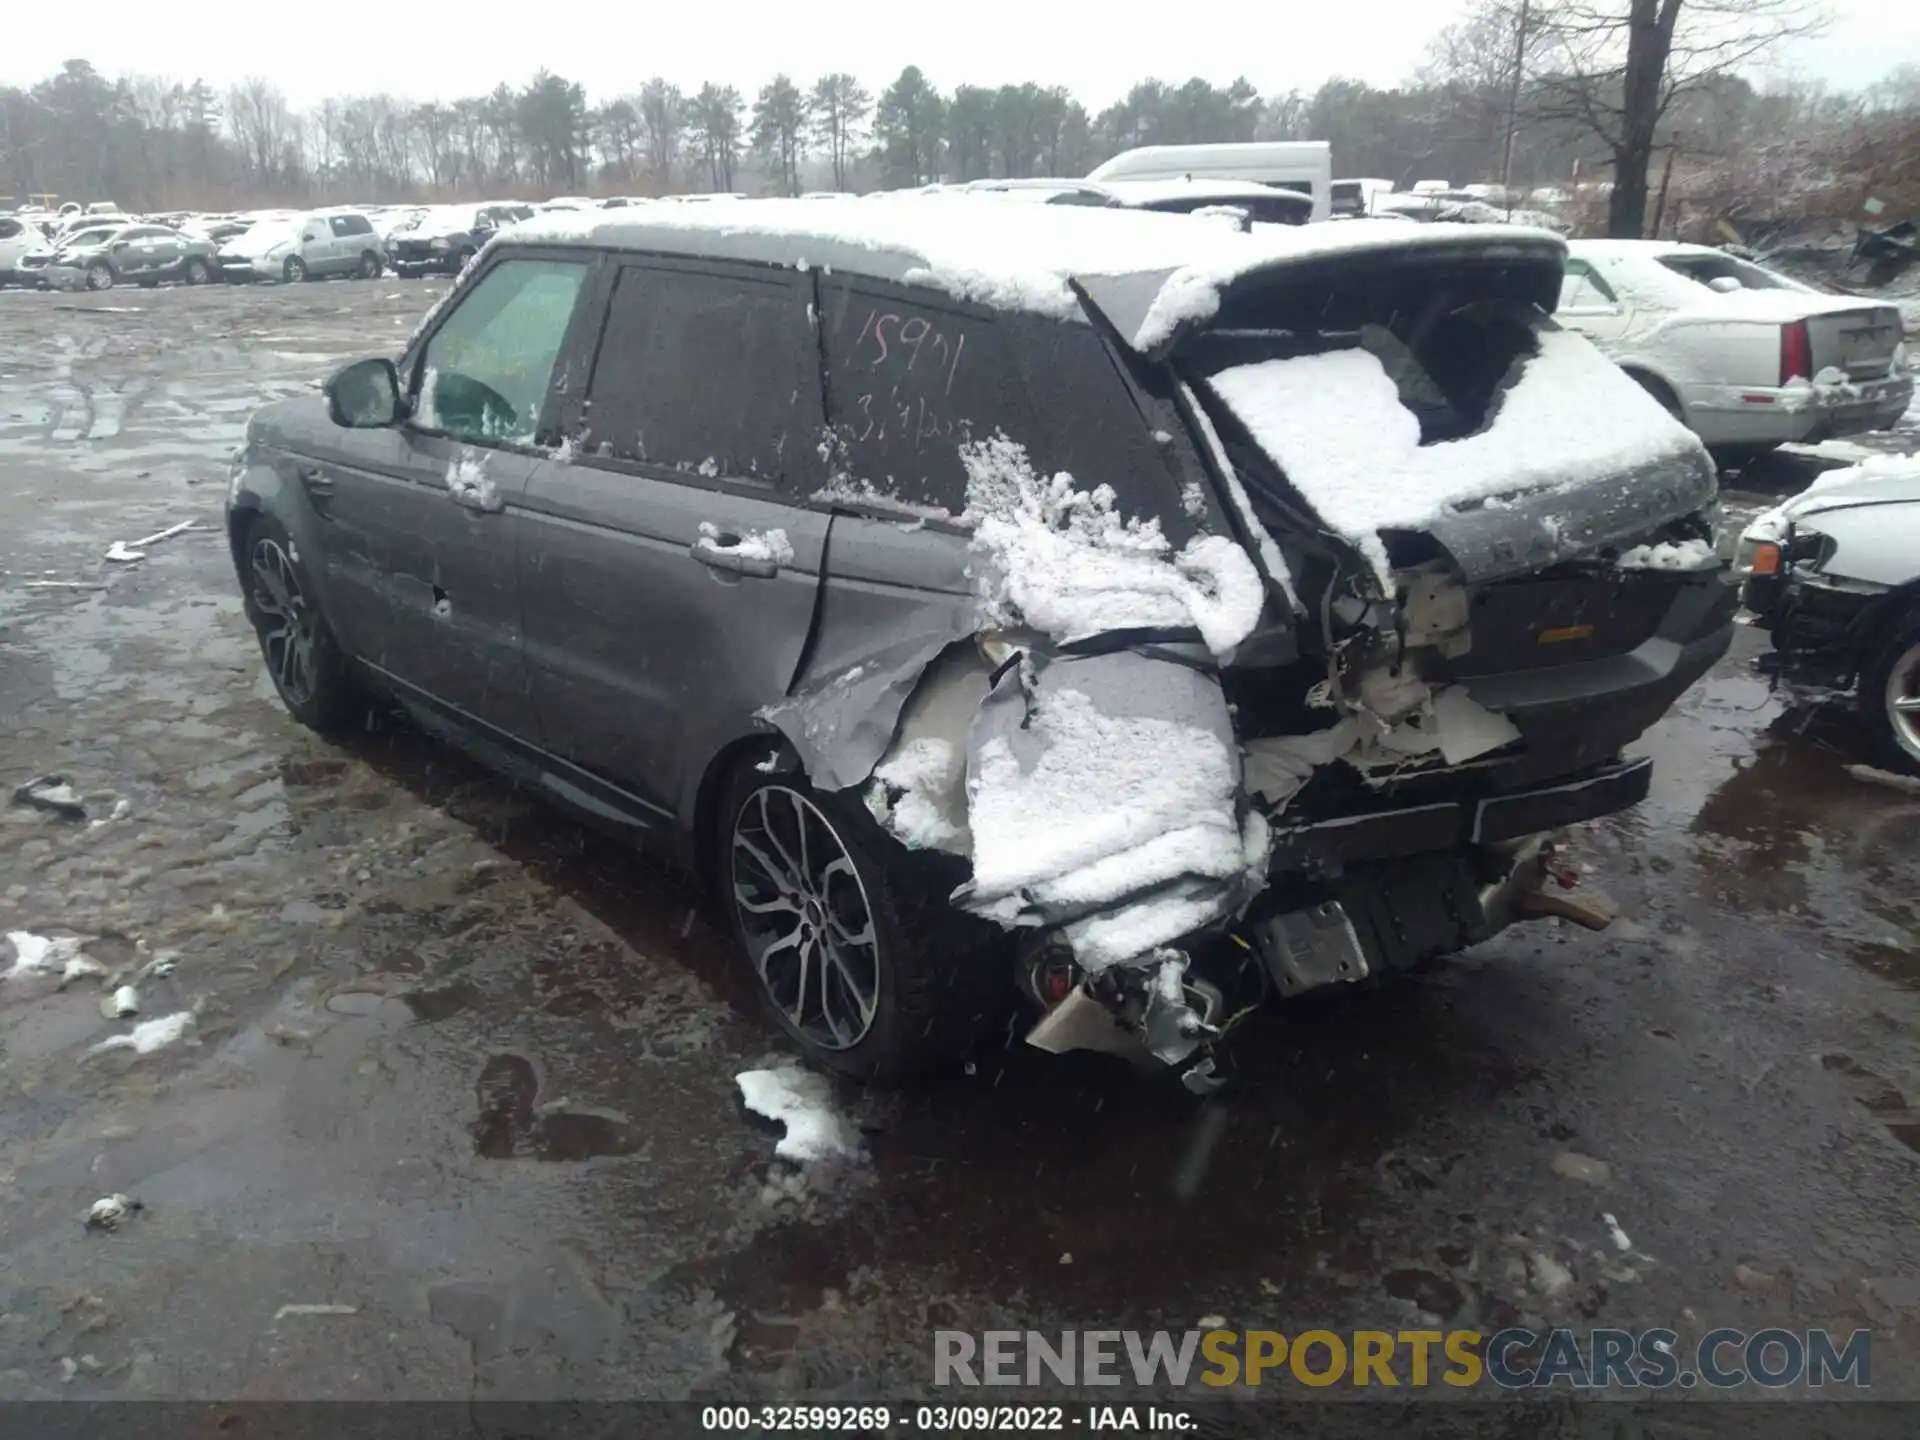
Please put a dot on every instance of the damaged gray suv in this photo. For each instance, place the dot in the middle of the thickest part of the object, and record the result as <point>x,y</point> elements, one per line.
<point>1117,611</point>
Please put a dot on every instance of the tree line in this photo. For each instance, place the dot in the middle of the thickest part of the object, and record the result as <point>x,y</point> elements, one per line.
<point>1535,92</point>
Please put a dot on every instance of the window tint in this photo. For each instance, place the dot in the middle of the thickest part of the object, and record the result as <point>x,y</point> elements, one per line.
<point>908,383</point>
<point>351,225</point>
<point>9,228</point>
<point>487,368</point>
<point>708,372</point>
<point>1581,289</point>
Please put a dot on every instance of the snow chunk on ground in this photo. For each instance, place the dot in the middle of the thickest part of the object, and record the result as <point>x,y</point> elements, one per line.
<point>469,484</point>
<point>1334,422</point>
<point>803,1102</point>
<point>149,1035</point>
<point>39,954</point>
<point>1063,561</point>
<point>769,545</point>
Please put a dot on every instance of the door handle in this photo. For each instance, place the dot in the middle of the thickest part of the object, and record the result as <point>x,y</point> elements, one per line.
<point>314,480</point>
<point>720,557</point>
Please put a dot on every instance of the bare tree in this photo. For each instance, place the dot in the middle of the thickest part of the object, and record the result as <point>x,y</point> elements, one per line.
<point>262,124</point>
<point>663,115</point>
<point>840,106</point>
<point>1618,68</point>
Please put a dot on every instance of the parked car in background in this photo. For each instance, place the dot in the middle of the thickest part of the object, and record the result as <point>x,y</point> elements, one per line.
<point>1176,494</point>
<point>1833,575</point>
<point>1303,165</point>
<point>311,246</point>
<point>99,258</point>
<point>1265,204</point>
<point>17,238</point>
<point>1747,358</point>
<point>446,237</point>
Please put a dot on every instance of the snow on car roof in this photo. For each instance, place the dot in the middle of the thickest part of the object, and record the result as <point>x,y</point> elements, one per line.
<point>1012,257</point>
<point>1147,191</point>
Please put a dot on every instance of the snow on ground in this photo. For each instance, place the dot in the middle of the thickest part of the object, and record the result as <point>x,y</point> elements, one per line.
<point>1059,559</point>
<point>1334,422</point>
<point>803,1102</point>
<point>924,770</point>
<point>149,1035</point>
<point>39,955</point>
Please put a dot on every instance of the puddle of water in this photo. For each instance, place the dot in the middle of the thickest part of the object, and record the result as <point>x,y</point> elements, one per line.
<point>509,1128</point>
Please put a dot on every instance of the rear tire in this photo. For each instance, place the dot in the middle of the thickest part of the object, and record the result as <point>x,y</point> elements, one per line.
<point>295,270</point>
<point>195,272</point>
<point>100,276</point>
<point>857,954</point>
<point>303,659</point>
<point>369,266</point>
<point>1889,694</point>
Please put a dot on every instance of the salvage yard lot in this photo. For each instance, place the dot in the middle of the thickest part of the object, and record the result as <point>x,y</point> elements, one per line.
<point>461,1072</point>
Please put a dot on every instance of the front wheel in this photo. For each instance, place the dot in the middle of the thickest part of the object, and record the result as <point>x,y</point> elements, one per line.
<point>295,270</point>
<point>196,272</point>
<point>369,266</point>
<point>858,956</point>
<point>99,276</point>
<point>1890,694</point>
<point>304,661</point>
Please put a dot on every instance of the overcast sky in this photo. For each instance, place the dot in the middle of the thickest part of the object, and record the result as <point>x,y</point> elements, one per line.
<point>611,45</point>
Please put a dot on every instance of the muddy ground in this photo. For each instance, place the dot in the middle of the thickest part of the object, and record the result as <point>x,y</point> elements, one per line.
<point>461,1071</point>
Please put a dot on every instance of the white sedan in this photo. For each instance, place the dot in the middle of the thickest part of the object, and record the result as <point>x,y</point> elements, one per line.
<point>1746,358</point>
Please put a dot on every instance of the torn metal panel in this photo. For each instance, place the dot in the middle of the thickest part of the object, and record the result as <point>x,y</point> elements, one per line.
<point>841,721</point>
<point>919,788</point>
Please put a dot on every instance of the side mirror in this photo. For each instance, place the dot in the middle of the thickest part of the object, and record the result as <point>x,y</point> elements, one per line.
<point>1725,284</point>
<point>364,395</point>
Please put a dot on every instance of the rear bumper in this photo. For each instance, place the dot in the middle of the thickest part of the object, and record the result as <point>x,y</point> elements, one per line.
<point>1764,415</point>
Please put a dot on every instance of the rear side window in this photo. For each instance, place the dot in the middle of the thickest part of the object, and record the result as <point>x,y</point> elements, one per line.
<point>351,225</point>
<point>711,372</point>
<point>908,383</point>
<point>1705,269</point>
<point>1582,289</point>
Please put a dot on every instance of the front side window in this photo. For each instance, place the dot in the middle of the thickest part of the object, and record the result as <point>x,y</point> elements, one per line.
<point>486,371</point>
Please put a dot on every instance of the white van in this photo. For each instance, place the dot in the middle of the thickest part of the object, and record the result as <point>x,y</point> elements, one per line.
<point>1303,165</point>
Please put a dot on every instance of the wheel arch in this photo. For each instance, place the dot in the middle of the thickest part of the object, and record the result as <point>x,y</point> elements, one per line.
<point>703,836</point>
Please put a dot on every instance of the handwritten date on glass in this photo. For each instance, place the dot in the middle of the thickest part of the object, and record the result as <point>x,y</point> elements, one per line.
<point>887,339</point>
<point>891,416</point>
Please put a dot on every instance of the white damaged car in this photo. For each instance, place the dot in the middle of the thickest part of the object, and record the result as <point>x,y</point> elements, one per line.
<point>1834,576</point>
<point>1747,358</point>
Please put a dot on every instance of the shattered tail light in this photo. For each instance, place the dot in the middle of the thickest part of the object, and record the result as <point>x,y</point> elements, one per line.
<point>1796,352</point>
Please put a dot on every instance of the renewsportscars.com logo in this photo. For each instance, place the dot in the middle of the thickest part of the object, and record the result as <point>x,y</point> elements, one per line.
<point>1513,1359</point>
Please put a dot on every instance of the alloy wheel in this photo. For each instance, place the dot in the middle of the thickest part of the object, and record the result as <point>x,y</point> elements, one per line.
<point>284,620</point>
<point>1903,701</point>
<point>99,277</point>
<point>805,919</point>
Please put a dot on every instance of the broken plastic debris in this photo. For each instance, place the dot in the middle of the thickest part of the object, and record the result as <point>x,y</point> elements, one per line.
<point>121,1003</point>
<point>803,1102</point>
<point>1575,1166</point>
<point>149,1035</point>
<point>128,551</point>
<point>53,794</point>
<point>107,1212</point>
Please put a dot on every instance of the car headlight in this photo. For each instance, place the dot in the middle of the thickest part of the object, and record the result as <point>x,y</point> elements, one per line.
<point>439,242</point>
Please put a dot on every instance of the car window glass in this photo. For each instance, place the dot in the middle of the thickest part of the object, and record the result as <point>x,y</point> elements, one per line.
<point>1705,269</point>
<point>350,224</point>
<point>1581,289</point>
<point>908,383</point>
<point>487,368</point>
<point>9,229</point>
<point>711,373</point>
